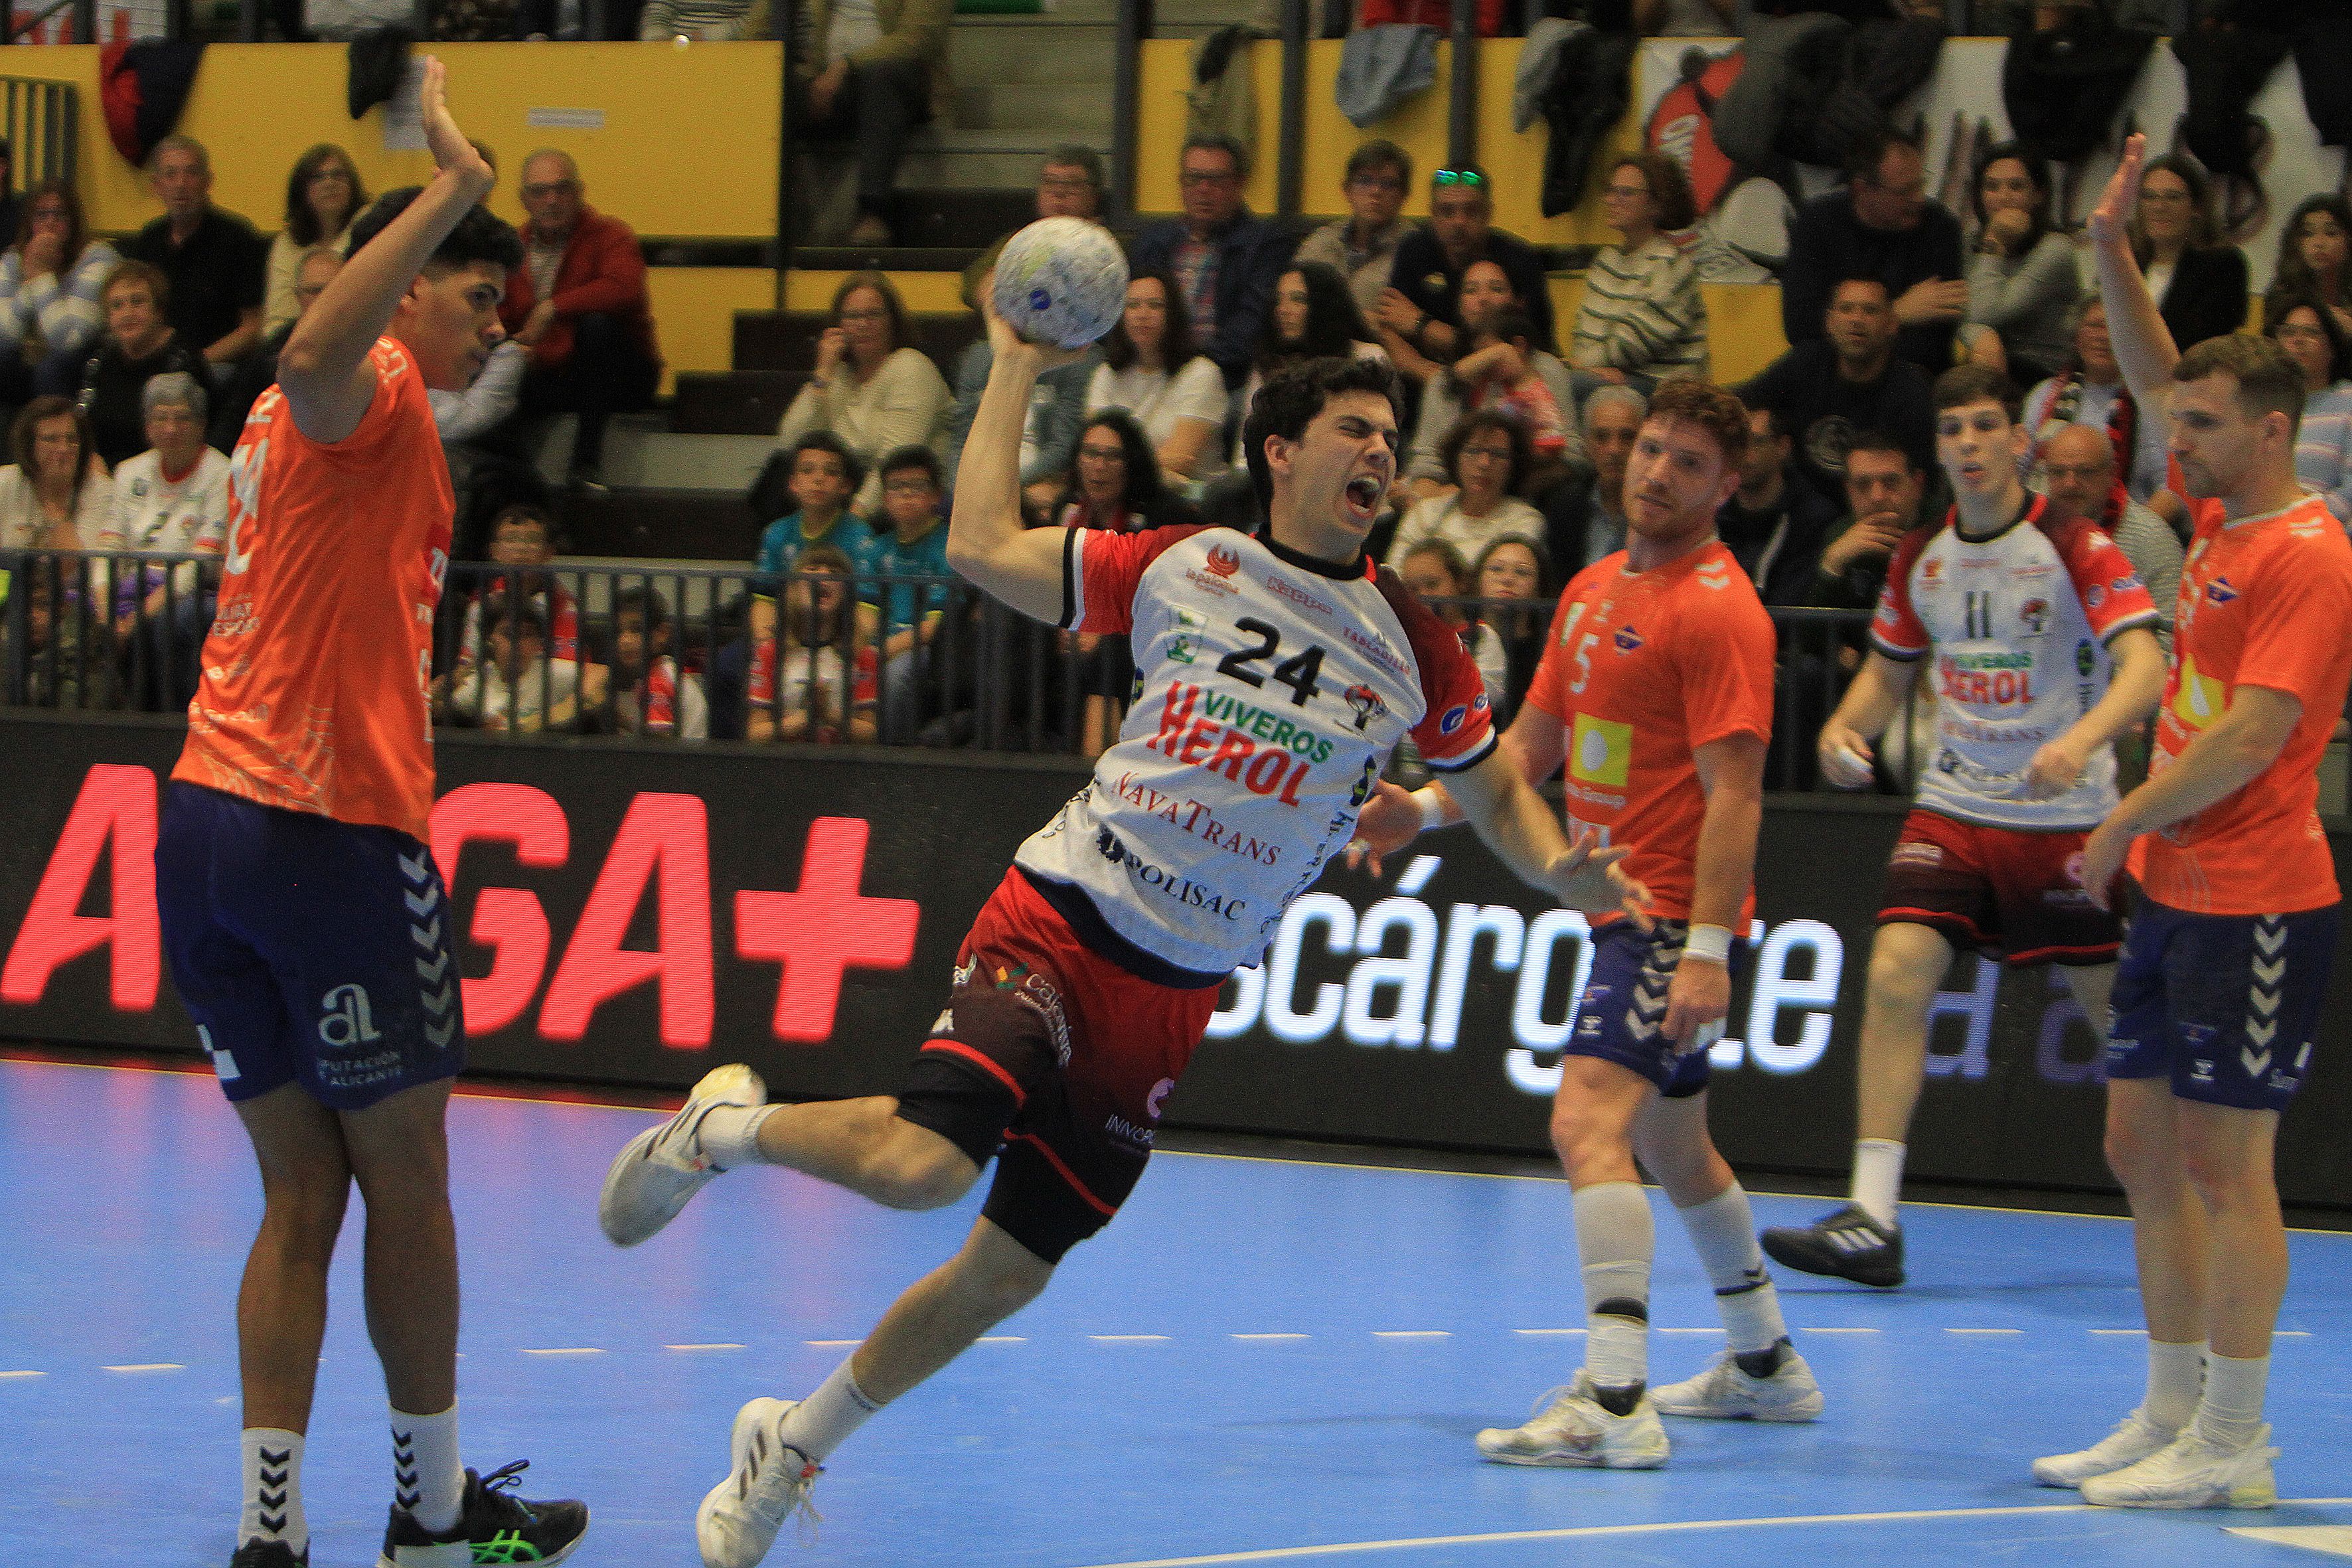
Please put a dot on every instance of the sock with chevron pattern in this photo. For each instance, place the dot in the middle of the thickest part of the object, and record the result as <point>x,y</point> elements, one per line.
<point>273,1489</point>
<point>427,1479</point>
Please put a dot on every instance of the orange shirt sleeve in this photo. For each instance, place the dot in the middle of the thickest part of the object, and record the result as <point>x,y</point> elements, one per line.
<point>2293,638</point>
<point>1727,674</point>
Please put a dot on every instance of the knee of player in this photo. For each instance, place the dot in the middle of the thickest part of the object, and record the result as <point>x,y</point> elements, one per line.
<point>2225,1175</point>
<point>1900,980</point>
<point>912,1174</point>
<point>307,1213</point>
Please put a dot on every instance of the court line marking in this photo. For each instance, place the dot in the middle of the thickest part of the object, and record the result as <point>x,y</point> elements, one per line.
<point>1002,1340</point>
<point>1581,1533</point>
<point>659,1115</point>
<point>147,1366</point>
<point>2127,1333</point>
<point>24,1374</point>
<point>832,1344</point>
<point>566,1349</point>
<point>711,1347</point>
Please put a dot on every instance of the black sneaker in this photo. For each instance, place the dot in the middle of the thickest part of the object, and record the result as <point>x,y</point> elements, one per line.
<point>1847,1244</point>
<point>493,1526</point>
<point>260,1554</point>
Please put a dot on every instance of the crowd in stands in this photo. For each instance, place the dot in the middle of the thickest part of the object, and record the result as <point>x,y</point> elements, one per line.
<point>132,370</point>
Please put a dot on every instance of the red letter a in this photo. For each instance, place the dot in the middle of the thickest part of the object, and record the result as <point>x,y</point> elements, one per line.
<point>116,801</point>
<point>670,832</point>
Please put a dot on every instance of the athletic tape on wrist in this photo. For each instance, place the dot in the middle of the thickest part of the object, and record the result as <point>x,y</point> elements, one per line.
<point>1433,808</point>
<point>1710,943</point>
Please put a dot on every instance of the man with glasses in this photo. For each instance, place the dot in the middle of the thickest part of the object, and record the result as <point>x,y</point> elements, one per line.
<point>1071,183</point>
<point>1362,246</point>
<point>1420,317</point>
<point>1223,256</point>
<point>578,303</point>
<point>1882,225</point>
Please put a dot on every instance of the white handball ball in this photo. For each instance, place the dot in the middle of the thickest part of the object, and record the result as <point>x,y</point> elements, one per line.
<point>1061,281</point>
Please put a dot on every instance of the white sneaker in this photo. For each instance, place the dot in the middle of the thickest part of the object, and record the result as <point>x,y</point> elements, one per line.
<point>1724,1392</point>
<point>2192,1471</point>
<point>739,1520</point>
<point>2134,1439</point>
<point>659,1170</point>
<point>1570,1427</point>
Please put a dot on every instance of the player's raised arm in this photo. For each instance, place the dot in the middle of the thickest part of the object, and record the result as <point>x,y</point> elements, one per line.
<point>988,543</point>
<point>2143,343</point>
<point>1526,834</point>
<point>325,372</point>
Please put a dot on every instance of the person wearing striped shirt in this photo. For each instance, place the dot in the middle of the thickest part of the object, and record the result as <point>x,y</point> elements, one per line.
<point>49,285</point>
<point>1642,318</point>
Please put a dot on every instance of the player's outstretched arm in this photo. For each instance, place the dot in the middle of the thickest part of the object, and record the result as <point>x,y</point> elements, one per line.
<point>2143,343</point>
<point>989,544</point>
<point>2133,692</point>
<point>1537,745</point>
<point>1519,826</point>
<point>325,372</point>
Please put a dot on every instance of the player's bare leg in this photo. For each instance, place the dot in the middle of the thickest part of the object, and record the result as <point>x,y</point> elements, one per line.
<point>865,1146</point>
<point>1864,1241</point>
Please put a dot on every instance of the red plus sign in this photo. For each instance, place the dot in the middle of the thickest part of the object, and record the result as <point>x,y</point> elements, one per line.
<point>823,928</point>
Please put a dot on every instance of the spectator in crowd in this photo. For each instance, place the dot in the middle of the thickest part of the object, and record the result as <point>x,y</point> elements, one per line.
<point>873,388</point>
<point>1774,523</point>
<point>2022,280</point>
<point>1822,391</point>
<point>171,499</point>
<point>212,261</point>
<point>324,194</point>
<point>825,474</point>
<point>1222,258</point>
<point>2315,258</point>
<point>815,680</point>
<point>1150,368</point>
<point>578,303</point>
<point>523,544</point>
<point>1361,248</point>
<point>872,70</point>
<point>518,689</point>
<point>140,344</point>
<point>1880,225</point>
<point>698,21</point>
<point>1498,368</point>
<point>1487,458</point>
<point>50,284</point>
<point>1584,519</point>
<point>2198,281</point>
<point>258,371</point>
<point>54,670</point>
<point>1886,488</point>
<point>914,545</point>
<point>1642,318</point>
<point>1049,438</point>
<point>1314,317</point>
<point>2079,467</point>
<point>56,494</point>
<point>1071,184</point>
<point>476,430</point>
<point>1686,18</point>
<point>1419,313</point>
<point>2316,342</point>
<point>646,693</point>
<point>1513,566</point>
<point>1439,577</point>
<point>2091,391</point>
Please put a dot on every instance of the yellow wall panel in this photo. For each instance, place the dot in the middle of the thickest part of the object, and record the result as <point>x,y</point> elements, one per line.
<point>921,290</point>
<point>1417,125</point>
<point>693,311</point>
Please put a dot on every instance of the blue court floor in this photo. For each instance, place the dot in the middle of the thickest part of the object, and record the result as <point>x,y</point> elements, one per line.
<point>1260,1363</point>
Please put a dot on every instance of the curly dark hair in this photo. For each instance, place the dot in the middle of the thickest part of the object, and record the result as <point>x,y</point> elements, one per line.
<point>1291,398</point>
<point>1143,491</point>
<point>1334,324</point>
<point>479,237</point>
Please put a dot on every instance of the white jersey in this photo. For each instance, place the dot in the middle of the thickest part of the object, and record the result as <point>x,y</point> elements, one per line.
<point>1272,689</point>
<point>2019,624</point>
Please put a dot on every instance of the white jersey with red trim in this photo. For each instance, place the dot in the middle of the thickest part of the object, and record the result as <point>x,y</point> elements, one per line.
<point>1271,690</point>
<point>2019,624</point>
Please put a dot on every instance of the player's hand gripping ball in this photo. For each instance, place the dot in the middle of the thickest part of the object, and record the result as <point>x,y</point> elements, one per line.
<point>1061,281</point>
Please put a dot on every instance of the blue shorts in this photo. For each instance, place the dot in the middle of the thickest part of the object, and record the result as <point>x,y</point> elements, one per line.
<point>1622,1016</point>
<point>309,951</point>
<point>2225,1004</point>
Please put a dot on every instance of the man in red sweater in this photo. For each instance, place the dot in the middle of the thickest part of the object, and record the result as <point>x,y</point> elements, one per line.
<point>578,303</point>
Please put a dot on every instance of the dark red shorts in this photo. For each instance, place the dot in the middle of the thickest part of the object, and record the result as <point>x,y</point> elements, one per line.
<point>1996,890</point>
<point>1055,1060</point>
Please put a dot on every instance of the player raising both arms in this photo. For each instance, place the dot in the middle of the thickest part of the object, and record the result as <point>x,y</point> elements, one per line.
<point>303,917</point>
<point>2042,641</point>
<point>1656,691</point>
<point>2225,967</point>
<point>1278,671</point>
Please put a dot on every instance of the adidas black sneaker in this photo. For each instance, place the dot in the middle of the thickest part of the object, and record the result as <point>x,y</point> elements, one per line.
<point>1847,1244</point>
<point>493,1526</point>
<point>260,1554</point>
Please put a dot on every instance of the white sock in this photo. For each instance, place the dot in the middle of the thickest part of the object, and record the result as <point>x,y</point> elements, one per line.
<point>2176,1377</point>
<point>823,1421</point>
<point>273,1489</point>
<point>1878,1178</point>
<point>729,1134</point>
<point>2232,1411</point>
<point>1723,1233</point>
<point>427,1478</point>
<point>1616,1241</point>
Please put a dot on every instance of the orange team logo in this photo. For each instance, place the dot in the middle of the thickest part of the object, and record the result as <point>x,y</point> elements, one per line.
<point>1366,702</point>
<point>1223,561</point>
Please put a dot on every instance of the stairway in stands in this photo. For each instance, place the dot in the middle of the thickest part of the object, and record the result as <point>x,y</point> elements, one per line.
<point>1023,85</point>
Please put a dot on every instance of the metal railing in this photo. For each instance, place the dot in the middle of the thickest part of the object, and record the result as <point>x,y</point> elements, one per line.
<point>42,120</point>
<point>679,654</point>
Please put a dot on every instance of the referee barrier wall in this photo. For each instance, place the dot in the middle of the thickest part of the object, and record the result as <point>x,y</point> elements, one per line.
<point>633,915</point>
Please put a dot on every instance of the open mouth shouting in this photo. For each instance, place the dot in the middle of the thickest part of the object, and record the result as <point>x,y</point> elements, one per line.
<point>1363,495</point>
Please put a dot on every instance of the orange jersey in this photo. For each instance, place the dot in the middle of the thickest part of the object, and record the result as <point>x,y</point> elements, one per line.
<point>1643,668</point>
<point>2263,602</point>
<point>314,697</point>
